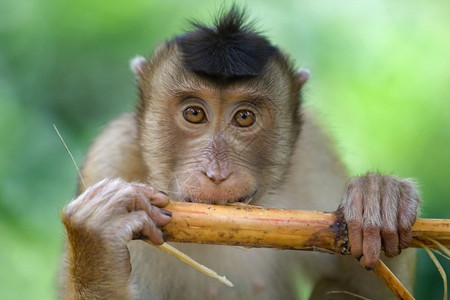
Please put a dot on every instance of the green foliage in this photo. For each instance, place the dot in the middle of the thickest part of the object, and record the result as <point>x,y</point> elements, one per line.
<point>380,81</point>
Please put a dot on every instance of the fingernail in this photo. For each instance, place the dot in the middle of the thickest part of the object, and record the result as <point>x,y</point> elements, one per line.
<point>358,258</point>
<point>164,237</point>
<point>164,193</point>
<point>369,268</point>
<point>165,212</point>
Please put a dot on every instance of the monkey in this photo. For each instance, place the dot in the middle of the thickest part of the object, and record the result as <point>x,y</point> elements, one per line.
<point>220,120</point>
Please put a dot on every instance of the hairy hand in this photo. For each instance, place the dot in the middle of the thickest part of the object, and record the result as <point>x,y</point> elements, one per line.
<point>101,221</point>
<point>379,211</point>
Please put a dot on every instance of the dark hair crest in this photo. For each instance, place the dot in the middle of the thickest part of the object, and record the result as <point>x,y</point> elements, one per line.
<point>230,49</point>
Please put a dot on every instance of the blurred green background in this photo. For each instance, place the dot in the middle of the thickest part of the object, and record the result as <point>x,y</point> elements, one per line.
<point>380,81</point>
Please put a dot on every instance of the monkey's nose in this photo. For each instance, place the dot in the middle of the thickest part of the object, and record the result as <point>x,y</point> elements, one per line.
<point>217,176</point>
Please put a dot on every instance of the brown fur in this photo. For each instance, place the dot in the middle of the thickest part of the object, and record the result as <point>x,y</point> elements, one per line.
<point>156,146</point>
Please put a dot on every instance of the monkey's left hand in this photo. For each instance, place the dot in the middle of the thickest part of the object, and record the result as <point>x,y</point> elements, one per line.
<point>379,211</point>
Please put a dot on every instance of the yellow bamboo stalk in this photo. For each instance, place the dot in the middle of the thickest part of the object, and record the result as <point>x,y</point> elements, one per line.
<point>253,226</point>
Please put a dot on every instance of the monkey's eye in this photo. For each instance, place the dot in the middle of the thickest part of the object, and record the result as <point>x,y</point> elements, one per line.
<point>244,118</point>
<point>194,115</point>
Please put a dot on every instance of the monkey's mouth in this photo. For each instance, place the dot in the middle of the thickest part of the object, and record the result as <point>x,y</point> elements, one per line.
<point>245,199</point>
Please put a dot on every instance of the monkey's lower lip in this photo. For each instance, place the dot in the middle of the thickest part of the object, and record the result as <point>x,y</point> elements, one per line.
<point>243,199</point>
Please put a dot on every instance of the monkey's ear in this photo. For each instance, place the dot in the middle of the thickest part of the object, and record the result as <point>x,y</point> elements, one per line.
<point>302,76</point>
<point>137,65</point>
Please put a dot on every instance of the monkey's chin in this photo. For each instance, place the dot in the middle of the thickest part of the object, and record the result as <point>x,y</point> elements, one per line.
<point>213,199</point>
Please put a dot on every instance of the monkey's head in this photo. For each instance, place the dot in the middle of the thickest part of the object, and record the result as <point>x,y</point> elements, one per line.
<point>219,113</point>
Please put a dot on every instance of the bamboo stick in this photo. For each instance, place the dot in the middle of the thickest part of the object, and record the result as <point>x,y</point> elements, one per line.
<point>391,281</point>
<point>253,226</point>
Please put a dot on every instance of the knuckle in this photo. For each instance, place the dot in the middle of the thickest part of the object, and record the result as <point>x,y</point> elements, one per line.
<point>354,224</point>
<point>388,232</point>
<point>371,231</point>
<point>125,194</point>
<point>142,216</point>
<point>145,218</point>
<point>130,224</point>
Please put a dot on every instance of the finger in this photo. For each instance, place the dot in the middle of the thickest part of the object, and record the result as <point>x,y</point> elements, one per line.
<point>407,211</point>
<point>140,202</point>
<point>156,197</point>
<point>153,232</point>
<point>163,216</point>
<point>405,236</point>
<point>389,207</point>
<point>352,207</point>
<point>390,242</point>
<point>371,247</point>
<point>355,238</point>
<point>140,225</point>
<point>371,220</point>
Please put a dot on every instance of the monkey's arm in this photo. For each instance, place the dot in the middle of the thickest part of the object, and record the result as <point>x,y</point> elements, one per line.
<point>321,180</point>
<point>107,214</point>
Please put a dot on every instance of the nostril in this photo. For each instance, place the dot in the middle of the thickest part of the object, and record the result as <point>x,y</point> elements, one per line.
<point>216,177</point>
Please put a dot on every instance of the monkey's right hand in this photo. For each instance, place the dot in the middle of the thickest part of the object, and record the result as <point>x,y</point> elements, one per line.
<point>102,220</point>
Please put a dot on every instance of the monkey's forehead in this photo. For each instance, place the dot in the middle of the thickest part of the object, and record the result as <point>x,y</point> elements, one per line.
<point>166,71</point>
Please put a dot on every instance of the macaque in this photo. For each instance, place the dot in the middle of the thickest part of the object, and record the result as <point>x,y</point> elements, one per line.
<point>220,120</point>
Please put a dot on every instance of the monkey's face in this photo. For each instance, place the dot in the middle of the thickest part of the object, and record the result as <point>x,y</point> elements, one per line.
<point>215,143</point>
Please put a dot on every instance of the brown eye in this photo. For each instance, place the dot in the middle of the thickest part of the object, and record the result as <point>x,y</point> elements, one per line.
<point>244,118</point>
<point>194,115</point>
